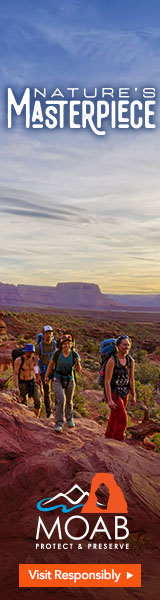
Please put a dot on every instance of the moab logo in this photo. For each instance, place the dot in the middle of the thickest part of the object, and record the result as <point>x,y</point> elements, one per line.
<point>77,527</point>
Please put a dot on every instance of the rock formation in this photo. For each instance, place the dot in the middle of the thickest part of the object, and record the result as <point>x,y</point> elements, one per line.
<point>73,295</point>
<point>36,464</point>
<point>64,295</point>
<point>3,326</point>
<point>5,351</point>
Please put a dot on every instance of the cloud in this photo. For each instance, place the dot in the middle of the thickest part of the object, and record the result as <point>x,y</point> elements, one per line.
<point>23,207</point>
<point>33,213</point>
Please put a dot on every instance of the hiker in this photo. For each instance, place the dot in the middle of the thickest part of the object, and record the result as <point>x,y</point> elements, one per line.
<point>119,381</point>
<point>64,361</point>
<point>44,351</point>
<point>24,373</point>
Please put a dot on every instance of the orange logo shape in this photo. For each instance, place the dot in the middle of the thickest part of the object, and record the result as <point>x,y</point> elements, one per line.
<point>116,502</point>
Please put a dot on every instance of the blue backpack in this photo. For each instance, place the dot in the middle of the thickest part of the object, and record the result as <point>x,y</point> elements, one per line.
<point>42,366</point>
<point>108,348</point>
<point>39,338</point>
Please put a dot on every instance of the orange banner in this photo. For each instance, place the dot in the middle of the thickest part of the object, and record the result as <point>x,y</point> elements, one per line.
<point>107,575</point>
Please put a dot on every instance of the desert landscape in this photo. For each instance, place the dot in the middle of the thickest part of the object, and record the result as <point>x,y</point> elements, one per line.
<point>35,463</point>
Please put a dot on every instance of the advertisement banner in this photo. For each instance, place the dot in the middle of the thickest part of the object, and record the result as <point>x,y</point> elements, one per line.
<point>80,300</point>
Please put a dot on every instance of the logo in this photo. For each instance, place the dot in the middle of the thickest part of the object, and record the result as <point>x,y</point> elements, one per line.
<point>80,525</point>
<point>116,502</point>
<point>47,505</point>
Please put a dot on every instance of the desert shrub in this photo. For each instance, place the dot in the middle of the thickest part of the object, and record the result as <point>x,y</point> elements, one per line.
<point>9,373</point>
<point>156,439</point>
<point>79,404</point>
<point>143,392</point>
<point>129,420</point>
<point>43,410</point>
<point>142,355</point>
<point>147,372</point>
<point>82,382</point>
<point>158,396</point>
<point>91,363</point>
<point>103,410</point>
<point>137,413</point>
<point>23,340</point>
<point>96,386</point>
<point>129,423</point>
<point>90,347</point>
<point>157,350</point>
<point>93,403</point>
<point>155,411</point>
<point>4,338</point>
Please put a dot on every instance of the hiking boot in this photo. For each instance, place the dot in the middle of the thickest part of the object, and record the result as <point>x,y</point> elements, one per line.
<point>58,429</point>
<point>70,423</point>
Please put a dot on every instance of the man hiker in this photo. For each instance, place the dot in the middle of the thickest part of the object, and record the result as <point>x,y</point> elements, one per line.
<point>44,351</point>
<point>119,381</point>
<point>24,374</point>
<point>64,361</point>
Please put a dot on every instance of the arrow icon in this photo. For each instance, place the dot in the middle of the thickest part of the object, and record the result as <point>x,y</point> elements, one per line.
<point>128,575</point>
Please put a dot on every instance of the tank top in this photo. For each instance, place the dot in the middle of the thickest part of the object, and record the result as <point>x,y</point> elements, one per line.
<point>121,376</point>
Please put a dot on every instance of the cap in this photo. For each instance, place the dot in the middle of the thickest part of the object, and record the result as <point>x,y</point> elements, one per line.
<point>29,348</point>
<point>47,328</point>
<point>66,338</point>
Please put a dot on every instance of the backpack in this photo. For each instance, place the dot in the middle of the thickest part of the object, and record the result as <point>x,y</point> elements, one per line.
<point>39,338</point>
<point>43,367</point>
<point>17,353</point>
<point>108,348</point>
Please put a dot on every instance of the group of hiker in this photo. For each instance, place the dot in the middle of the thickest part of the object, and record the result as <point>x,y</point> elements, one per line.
<point>36,367</point>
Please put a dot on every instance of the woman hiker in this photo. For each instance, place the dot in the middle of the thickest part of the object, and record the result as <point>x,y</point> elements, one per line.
<point>63,362</point>
<point>119,381</point>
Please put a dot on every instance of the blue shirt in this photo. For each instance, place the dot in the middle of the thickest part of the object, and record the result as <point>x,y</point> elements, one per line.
<point>65,364</point>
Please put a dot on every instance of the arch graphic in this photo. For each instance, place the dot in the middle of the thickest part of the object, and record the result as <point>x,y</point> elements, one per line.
<point>116,502</point>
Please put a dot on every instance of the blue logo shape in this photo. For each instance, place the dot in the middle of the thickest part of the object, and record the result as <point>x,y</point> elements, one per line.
<point>50,508</point>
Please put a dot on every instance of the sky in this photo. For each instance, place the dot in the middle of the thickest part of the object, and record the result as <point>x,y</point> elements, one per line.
<point>75,206</point>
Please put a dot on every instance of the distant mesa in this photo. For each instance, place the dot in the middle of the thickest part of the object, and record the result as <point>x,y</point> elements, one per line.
<point>75,295</point>
<point>86,296</point>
